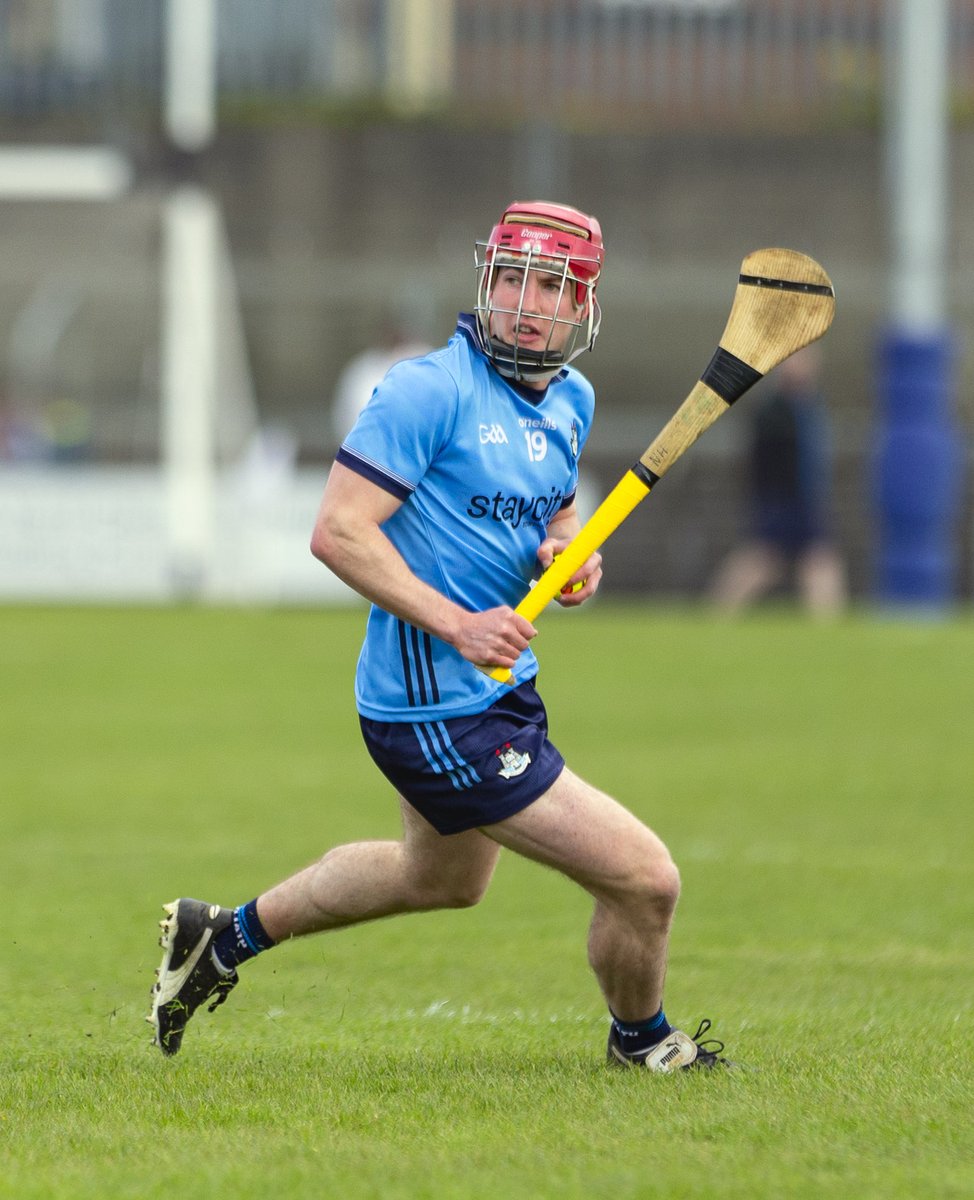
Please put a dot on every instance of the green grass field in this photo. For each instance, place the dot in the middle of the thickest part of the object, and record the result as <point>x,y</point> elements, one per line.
<point>814,784</point>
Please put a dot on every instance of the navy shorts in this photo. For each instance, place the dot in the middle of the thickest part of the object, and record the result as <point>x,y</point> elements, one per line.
<point>469,771</point>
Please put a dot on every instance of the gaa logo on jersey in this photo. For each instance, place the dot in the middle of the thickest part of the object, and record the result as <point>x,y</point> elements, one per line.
<point>493,435</point>
<point>513,762</point>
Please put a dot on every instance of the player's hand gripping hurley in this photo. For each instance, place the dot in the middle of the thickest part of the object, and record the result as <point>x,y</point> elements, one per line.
<point>783,302</point>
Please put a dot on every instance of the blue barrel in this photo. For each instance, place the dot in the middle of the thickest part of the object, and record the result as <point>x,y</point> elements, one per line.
<point>918,475</point>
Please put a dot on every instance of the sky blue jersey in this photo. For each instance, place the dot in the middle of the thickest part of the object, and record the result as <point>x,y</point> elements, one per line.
<point>481,470</point>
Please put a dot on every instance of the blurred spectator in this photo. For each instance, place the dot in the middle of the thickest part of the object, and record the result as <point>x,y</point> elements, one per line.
<point>789,537</point>
<point>360,375</point>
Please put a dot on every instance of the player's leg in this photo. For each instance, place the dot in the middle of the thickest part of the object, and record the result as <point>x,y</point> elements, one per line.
<point>591,838</point>
<point>366,880</point>
<point>362,881</point>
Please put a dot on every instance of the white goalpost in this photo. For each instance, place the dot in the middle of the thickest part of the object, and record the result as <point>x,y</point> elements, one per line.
<point>223,516</point>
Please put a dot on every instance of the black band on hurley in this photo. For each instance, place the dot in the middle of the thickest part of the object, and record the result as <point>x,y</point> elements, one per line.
<point>787,285</point>
<point>641,471</point>
<point>729,376</point>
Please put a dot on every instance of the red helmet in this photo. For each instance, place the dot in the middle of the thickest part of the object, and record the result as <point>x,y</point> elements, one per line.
<point>542,235</point>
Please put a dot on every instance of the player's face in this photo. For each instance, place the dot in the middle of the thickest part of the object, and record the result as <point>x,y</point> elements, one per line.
<point>539,314</point>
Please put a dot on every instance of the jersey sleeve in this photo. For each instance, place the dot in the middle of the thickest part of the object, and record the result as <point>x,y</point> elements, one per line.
<point>408,420</point>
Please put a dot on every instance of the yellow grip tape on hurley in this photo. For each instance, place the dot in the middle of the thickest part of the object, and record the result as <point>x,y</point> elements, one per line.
<point>604,521</point>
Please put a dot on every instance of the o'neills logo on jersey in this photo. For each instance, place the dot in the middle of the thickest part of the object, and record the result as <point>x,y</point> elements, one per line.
<point>516,510</point>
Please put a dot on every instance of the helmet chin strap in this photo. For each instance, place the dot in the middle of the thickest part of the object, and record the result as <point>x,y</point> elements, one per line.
<point>518,364</point>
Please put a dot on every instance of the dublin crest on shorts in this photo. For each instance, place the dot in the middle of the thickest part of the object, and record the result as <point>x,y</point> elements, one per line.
<point>513,762</point>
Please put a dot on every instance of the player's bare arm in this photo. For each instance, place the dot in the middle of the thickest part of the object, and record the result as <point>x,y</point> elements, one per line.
<point>585,582</point>
<point>348,538</point>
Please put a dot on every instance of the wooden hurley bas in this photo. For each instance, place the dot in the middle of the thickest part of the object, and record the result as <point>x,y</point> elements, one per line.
<point>783,302</point>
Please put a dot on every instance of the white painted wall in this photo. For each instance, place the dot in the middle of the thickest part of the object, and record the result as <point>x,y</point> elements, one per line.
<point>100,534</point>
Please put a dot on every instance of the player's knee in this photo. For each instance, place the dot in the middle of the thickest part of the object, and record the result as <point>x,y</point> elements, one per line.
<point>666,877</point>
<point>466,896</point>
<point>657,881</point>
<point>449,893</point>
<point>463,893</point>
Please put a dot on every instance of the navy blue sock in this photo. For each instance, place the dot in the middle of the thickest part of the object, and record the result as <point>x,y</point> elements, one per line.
<point>640,1035</point>
<point>243,938</point>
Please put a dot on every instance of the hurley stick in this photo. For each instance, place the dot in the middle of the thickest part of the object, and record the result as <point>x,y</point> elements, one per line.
<point>783,302</point>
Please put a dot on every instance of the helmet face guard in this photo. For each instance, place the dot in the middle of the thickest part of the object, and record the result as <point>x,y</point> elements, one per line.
<point>557,241</point>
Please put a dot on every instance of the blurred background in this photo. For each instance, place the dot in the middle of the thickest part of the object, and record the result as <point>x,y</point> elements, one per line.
<point>210,209</point>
